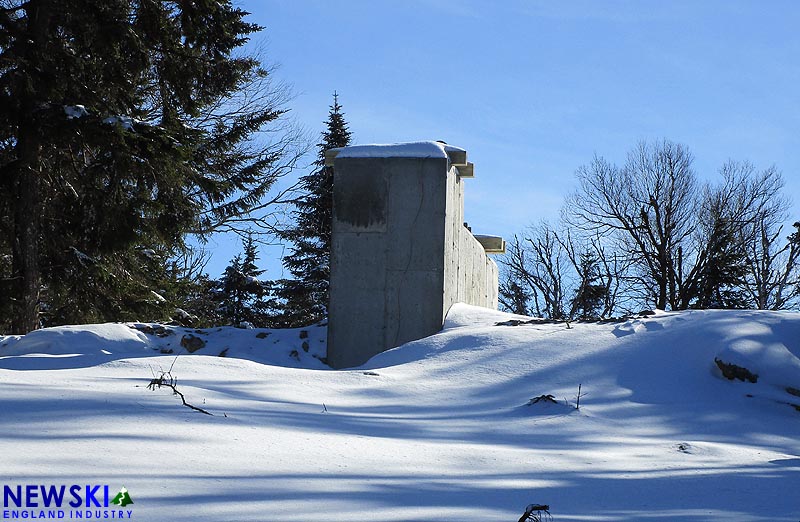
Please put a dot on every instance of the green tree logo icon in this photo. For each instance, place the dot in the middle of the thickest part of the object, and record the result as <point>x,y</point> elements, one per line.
<point>123,498</point>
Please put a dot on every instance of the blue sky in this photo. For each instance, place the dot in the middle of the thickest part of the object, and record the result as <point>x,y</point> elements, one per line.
<point>534,89</point>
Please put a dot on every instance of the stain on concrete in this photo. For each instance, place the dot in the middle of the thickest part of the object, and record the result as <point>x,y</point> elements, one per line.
<point>363,206</point>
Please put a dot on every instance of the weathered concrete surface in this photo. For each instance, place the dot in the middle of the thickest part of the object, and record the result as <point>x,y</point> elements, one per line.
<point>400,255</point>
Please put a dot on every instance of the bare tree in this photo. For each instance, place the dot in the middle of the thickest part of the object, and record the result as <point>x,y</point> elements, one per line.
<point>598,276</point>
<point>516,290</point>
<point>189,262</point>
<point>692,245</point>
<point>537,263</point>
<point>559,276</point>
<point>728,237</point>
<point>647,207</point>
<point>619,295</point>
<point>771,270</point>
<point>773,279</point>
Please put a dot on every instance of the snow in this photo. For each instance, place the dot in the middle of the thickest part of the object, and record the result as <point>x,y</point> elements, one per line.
<point>83,259</point>
<point>93,345</point>
<point>418,149</point>
<point>251,280</point>
<point>183,315</point>
<point>438,429</point>
<point>75,111</point>
<point>126,122</point>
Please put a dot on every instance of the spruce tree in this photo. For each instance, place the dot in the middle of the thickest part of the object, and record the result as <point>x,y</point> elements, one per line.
<point>306,296</point>
<point>513,297</point>
<point>718,282</point>
<point>244,298</point>
<point>122,123</point>
<point>232,293</point>
<point>591,291</point>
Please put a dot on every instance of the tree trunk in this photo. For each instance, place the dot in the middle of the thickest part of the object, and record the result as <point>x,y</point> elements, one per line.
<point>25,246</point>
<point>661,299</point>
<point>26,181</point>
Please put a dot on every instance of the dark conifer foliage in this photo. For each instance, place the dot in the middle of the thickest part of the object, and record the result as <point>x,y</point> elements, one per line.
<point>123,124</point>
<point>587,303</point>
<point>306,296</point>
<point>513,297</point>
<point>244,298</point>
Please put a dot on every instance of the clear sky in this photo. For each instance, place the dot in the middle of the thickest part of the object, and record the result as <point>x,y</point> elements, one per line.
<point>533,89</point>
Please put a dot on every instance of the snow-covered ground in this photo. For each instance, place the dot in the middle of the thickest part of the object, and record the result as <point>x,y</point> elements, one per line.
<point>436,430</point>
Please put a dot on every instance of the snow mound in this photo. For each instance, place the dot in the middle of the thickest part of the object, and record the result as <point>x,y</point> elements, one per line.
<point>769,348</point>
<point>94,340</point>
<point>90,345</point>
<point>463,315</point>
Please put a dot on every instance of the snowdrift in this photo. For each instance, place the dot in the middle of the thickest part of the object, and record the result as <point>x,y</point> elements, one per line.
<point>91,345</point>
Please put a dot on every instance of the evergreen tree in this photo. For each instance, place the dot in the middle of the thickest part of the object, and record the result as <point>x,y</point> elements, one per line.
<point>190,293</point>
<point>244,297</point>
<point>513,297</point>
<point>306,296</point>
<point>719,279</point>
<point>591,292</point>
<point>114,291</point>
<point>194,301</point>
<point>122,123</point>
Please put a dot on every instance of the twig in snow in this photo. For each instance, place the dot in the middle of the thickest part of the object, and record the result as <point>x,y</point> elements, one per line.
<point>578,398</point>
<point>535,512</point>
<point>167,380</point>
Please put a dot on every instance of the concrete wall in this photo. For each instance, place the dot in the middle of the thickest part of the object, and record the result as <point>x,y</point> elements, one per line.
<point>470,275</point>
<point>400,255</point>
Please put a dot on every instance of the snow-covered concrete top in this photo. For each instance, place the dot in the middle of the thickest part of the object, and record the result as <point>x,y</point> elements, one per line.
<point>414,149</point>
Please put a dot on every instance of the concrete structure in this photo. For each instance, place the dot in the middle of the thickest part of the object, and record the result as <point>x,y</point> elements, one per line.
<point>401,253</point>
